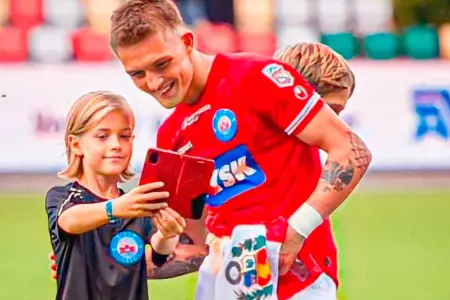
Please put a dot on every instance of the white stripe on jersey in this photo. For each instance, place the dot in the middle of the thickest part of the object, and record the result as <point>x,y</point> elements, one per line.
<point>67,200</point>
<point>303,113</point>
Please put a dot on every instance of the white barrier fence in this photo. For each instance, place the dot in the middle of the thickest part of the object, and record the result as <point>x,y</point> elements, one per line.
<point>401,109</point>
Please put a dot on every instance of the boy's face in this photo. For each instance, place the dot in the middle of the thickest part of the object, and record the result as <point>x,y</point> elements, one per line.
<point>107,148</point>
<point>161,66</point>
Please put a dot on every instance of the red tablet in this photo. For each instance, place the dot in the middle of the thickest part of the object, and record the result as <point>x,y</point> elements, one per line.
<point>186,178</point>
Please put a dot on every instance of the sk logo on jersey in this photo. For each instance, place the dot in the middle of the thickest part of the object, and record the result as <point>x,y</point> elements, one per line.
<point>278,75</point>
<point>236,172</point>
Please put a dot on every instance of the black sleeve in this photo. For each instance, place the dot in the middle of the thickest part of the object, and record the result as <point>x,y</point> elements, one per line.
<point>57,200</point>
<point>159,259</point>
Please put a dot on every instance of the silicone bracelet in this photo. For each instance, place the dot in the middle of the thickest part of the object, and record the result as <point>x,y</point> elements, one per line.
<point>109,212</point>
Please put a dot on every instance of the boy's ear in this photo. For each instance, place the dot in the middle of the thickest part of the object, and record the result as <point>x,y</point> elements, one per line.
<point>75,146</point>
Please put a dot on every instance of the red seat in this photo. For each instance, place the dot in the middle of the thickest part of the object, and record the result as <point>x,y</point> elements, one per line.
<point>26,13</point>
<point>89,46</point>
<point>215,38</point>
<point>13,45</point>
<point>257,42</point>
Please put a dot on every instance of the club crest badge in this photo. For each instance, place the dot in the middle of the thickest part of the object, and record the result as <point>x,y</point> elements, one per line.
<point>278,75</point>
<point>224,125</point>
<point>127,248</point>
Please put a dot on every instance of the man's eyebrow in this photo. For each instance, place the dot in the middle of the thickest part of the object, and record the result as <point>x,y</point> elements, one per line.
<point>156,61</point>
<point>162,58</point>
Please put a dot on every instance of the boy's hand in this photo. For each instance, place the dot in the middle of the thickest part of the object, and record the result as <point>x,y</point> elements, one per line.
<point>169,223</point>
<point>142,201</point>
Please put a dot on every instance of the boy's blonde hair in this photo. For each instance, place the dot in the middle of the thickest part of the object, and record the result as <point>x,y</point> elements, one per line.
<point>83,116</point>
<point>323,67</point>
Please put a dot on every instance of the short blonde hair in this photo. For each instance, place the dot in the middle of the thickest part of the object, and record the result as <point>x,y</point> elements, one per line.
<point>135,20</point>
<point>323,67</point>
<point>83,116</point>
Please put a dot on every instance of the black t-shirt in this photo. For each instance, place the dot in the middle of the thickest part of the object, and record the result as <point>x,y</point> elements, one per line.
<point>107,263</point>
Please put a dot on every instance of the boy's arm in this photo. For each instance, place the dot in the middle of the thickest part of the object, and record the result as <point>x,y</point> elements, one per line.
<point>82,218</point>
<point>57,200</point>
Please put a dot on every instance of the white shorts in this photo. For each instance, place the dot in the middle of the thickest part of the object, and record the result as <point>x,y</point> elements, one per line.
<point>212,286</point>
<point>323,288</point>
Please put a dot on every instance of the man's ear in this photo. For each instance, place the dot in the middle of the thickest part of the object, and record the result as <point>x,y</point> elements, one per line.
<point>188,41</point>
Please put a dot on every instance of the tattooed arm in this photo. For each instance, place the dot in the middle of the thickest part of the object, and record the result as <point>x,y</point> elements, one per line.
<point>186,259</point>
<point>188,256</point>
<point>348,160</point>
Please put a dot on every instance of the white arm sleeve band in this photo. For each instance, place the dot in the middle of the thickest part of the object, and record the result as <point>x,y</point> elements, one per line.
<point>305,220</point>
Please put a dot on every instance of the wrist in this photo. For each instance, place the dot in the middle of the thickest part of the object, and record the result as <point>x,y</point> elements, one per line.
<point>305,220</point>
<point>163,245</point>
<point>110,211</point>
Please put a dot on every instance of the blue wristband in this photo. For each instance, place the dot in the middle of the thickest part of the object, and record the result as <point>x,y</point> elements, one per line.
<point>109,212</point>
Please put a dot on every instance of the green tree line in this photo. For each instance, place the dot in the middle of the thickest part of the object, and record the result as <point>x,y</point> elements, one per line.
<point>413,12</point>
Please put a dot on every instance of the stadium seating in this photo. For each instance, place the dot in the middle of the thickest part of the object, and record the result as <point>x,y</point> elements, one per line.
<point>90,46</point>
<point>333,15</point>
<point>49,44</point>
<point>421,42</point>
<point>344,43</point>
<point>294,13</point>
<point>52,31</point>
<point>382,45</point>
<point>67,14</point>
<point>372,16</point>
<point>13,44</point>
<point>214,38</point>
<point>25,14</point>
<point>258,42</point>
<point>291,34</point>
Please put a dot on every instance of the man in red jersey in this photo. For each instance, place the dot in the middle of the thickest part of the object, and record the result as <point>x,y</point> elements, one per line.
<point>262,123</point>
<point>334,81</point>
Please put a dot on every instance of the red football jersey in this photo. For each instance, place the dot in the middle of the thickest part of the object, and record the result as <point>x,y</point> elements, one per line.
<point>247,120</point>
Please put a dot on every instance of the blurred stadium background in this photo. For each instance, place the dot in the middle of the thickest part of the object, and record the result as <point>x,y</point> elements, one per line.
<point>393,233</point>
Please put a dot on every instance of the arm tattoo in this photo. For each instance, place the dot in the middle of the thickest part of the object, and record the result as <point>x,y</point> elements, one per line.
<point>186,259</point>
<point>337,175</point>
<point>176,268</point>
<point>360,153</point>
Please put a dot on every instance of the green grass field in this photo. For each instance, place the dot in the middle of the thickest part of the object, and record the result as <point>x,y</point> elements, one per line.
<point>394,246</point>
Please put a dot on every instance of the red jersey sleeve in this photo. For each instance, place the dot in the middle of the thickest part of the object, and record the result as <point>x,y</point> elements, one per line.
<point>281,94</point>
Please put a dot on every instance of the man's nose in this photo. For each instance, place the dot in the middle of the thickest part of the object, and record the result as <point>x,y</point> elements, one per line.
<point>154,83</point>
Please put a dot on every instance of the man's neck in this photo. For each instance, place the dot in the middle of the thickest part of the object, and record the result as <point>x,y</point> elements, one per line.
<point>202,64</point>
